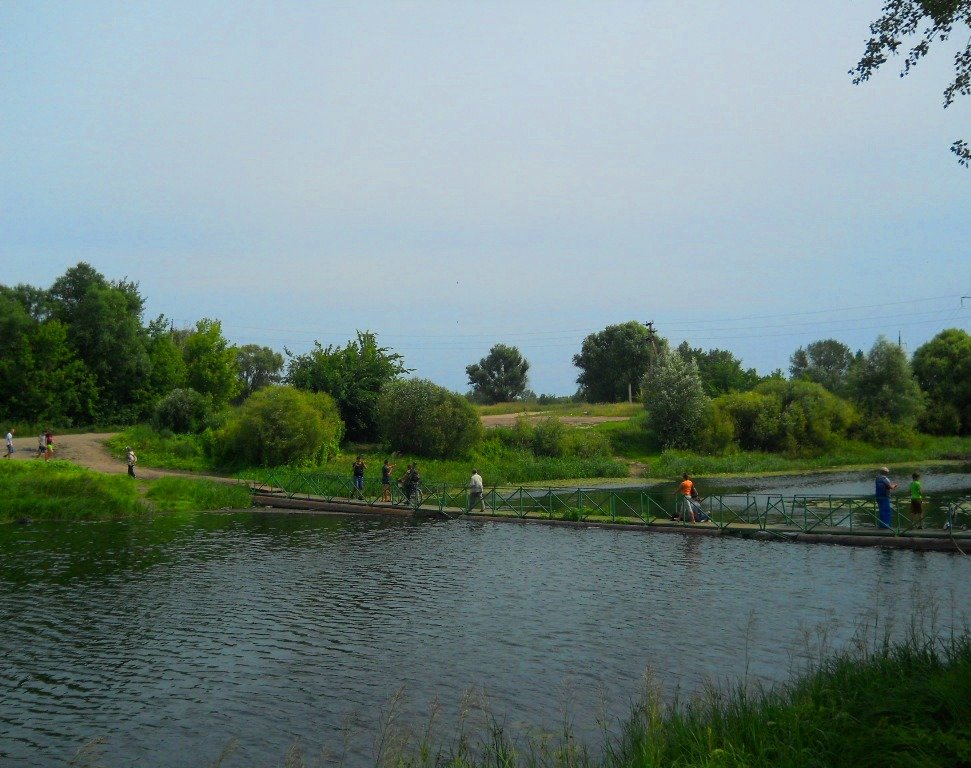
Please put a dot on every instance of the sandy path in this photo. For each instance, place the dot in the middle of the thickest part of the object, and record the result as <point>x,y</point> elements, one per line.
<point>509,419</point>
<point>87,450</point>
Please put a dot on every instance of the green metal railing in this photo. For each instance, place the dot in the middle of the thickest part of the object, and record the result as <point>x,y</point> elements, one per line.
<point>799,513</point>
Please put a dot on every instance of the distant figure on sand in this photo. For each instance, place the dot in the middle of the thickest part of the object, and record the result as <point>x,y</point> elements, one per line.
<point>41,445</point>
<point>10,443</point>
<point>132,460</point>
<point>49,445</point>
<point>883,488</point>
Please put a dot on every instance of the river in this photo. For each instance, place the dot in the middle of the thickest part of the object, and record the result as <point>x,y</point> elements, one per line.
<point>166,640</point>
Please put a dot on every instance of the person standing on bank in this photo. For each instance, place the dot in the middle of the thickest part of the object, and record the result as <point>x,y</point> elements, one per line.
<point>132,460</point>
<point>475,492</point>
<point>916,501</point>
<point>883,488</point>
<point>359,467</point>
<point>10,443</point>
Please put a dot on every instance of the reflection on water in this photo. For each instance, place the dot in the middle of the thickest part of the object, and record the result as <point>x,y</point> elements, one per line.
<point>172,637</point>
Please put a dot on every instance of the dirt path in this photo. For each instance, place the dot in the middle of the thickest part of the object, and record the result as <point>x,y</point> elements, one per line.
<point>509,419</point>
<point>86,450</point>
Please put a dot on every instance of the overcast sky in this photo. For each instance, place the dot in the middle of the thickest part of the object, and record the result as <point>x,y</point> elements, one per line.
<point>456,174</point>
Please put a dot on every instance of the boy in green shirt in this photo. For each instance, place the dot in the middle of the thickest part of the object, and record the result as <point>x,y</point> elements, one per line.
<point>916,502</point>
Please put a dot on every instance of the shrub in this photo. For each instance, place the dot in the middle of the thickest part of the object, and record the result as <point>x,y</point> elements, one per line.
<point>183,411</point>
<point>422,418</point>
<point>549,438</point>
<point>676,401</point>
<point>279,425</point>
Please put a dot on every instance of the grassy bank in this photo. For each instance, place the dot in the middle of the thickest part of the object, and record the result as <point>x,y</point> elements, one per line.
<point>163,450</point>
<point>59,490</point>
<point>904,705</point>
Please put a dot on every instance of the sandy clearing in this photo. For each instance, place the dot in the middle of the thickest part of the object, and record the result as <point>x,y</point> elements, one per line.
<point>509,419</point>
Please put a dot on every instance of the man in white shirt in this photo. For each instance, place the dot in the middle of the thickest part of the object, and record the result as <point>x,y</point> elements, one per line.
<point>10,443</point>
<point>475,492</point>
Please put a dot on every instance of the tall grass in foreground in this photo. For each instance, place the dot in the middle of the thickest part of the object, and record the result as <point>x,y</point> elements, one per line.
<point>904,705</point>
<point>180,494</point>
<point>59,490</point>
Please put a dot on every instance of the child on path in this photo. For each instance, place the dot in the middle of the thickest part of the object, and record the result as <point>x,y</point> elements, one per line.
<point>132,460</point>
<point>10,443</point>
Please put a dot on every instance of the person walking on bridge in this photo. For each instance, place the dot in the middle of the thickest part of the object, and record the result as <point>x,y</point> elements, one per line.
<point>359,467</point>
<point>883,488</point>
<point>475,492</point>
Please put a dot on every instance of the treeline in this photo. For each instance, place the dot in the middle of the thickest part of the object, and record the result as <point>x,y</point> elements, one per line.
<point>79,353</point>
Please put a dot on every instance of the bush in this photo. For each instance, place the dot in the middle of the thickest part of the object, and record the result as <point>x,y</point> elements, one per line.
<point>183,411</point>
<point>279,425</point>
<point>549,438</point>
<point>422,418</point>
<point>779,415</point>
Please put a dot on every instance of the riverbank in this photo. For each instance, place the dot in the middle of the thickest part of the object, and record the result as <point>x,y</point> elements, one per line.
<point>59,490</point>
<point>906,704</point>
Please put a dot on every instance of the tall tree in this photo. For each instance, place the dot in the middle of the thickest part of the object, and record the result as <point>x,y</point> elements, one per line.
<point>943,370</point>
<point>104,326</point>
<point>499,377</point>
<point>353,375</point>
<point>613,362</point>
<point>825,362</point>
<point>676,401</point>
<point>258,367</point>
<point>210,362</point>
<point>931,22</point>
<point>720,371</point>
<point>882,384</point>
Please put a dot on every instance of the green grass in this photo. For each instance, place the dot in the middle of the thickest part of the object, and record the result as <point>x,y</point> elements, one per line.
<point>181,494</point>
<point>631,442</point>
<point>59,490</point>
<point>163,450</point>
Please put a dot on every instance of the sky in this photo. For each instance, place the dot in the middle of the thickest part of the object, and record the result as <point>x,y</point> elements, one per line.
<point>453,175</point>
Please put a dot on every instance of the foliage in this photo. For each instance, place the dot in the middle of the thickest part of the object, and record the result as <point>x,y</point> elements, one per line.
<point>883,386</point>
<point>258,367</point>
<point>942,367</point>
<point>162,448</point>
<point>676,401</point>
<point>500,376</point>
<point>827,362</point>
<point>354,376</point>
<point>182,411</point>
<point>778,415</point>
<point>168,369</point>
<point>936,20</point>
<point>279,425</point>
<point>417,416</point>
<point>58,490</point>
<point>183,494</point>
<point>210,361</point>
<point>720,371</point>
<point>614,361</point>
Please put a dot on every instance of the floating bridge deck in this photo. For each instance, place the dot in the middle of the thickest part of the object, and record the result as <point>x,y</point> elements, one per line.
<point>815,519</point>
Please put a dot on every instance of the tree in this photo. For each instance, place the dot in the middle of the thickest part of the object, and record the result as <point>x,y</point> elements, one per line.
<point>883,385</point>
<point>720,371</point>
<point>500,376</point>
<point>354,376</point>
<point>676,401</point>
<point>417,416</point>
<point>942,367</point>
<point>613,362</point>
<point>258,367</point>
<point>936,20</point>
<point>104,327</point>
<point>825,362</point>
<point>279,425</point>
<point>210,362</point>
